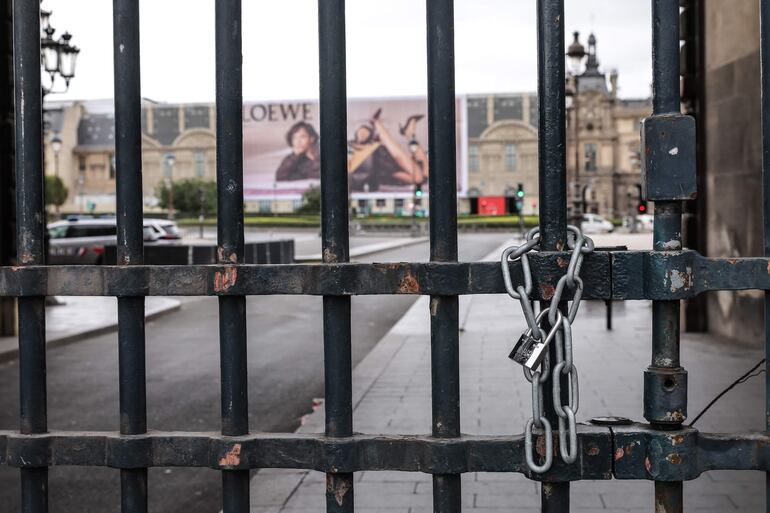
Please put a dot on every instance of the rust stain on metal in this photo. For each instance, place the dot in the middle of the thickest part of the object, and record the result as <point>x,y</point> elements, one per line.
<point>647,464</point>
<point>224,280</point>
<point>619,453</point>
<point>674,459</point>
<point>593,451</point>
<point>547,290</point>
<point>563,263</point>
<point>675,416</point>
<point>232,458</point>
<point>540,446</point>
<point>732,261</point>
<point>768,267</point>
<point>409,284</point>
<point>677,439</point>
<point>680,280</point>
<point>338,487</point>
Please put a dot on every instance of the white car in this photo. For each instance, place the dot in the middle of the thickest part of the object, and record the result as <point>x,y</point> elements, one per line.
<point>594,223</point>
<point>645,222</point>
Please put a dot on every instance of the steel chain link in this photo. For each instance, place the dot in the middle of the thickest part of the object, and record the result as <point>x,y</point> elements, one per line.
<point>560,334</point>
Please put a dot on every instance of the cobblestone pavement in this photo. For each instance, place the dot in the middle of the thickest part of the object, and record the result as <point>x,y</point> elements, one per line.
<point>392,396</point>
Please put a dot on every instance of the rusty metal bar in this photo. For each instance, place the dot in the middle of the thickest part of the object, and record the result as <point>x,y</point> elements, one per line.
<point>764,24</point>
<point>230,250</point>
<point>30,215</point>
<point>338,373</point>
<point>636,451</point>
<point>130,248</point>
<point>552,177</point>
<point>442,180</point>
<point>665,381</point>
<point>626,275</point>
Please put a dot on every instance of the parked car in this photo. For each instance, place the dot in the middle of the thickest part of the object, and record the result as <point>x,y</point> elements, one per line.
<point>81,239</point>
<point>594,223</point>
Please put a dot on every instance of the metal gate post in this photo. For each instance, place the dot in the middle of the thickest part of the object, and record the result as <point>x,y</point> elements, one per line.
<point>338,377</point>
<point>444,310</point>
<point>552,166</point>
<point>130,250</point>
<point>230,249</point>
<point>665,381</point>
<point>764,24</point>
<point>30,240</point>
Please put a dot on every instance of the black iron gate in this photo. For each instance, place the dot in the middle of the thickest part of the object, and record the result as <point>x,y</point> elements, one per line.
<point>664,450</point>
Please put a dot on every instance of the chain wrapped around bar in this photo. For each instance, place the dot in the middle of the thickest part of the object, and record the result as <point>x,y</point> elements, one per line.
<point>560,333</point>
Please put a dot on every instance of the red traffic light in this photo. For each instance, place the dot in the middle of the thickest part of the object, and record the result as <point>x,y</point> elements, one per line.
<point>642,208</point>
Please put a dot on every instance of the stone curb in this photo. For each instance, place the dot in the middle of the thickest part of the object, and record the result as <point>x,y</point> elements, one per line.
<point>54,341</point>
<point>368,249</point>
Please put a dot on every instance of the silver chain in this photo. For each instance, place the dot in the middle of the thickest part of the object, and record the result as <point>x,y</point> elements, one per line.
<point>560,334</point>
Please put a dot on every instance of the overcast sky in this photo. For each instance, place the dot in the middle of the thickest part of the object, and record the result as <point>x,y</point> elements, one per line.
<point>495,46</point>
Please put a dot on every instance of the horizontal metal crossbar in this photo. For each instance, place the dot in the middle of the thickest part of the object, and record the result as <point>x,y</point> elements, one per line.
<point>607,275</point>
<point>622,452</point>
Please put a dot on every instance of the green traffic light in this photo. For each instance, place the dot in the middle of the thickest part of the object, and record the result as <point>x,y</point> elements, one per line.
<point>418,194</point>
<point>520,194</point>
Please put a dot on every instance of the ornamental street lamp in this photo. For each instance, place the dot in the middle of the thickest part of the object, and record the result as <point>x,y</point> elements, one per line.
<point>576,52</point>
<point>169,179</point>
<point>58,56</point>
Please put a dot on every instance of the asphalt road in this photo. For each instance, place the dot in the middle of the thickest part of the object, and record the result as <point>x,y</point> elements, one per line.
<point>285,374</point>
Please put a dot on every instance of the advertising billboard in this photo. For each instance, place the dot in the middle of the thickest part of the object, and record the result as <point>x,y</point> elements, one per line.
<point>387,147</point>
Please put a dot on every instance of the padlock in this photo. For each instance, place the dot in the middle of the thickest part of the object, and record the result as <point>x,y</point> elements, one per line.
<point>526,348</point>
<point>529,351</point>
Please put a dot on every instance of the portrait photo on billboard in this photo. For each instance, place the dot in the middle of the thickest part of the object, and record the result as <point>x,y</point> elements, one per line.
<point>387,147</point>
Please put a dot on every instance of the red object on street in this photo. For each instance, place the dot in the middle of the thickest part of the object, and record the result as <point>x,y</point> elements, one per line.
<point>492,205</point>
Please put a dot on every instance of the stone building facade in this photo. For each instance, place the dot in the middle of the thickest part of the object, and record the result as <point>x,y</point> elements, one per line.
<point>500,151</point>
<point>602,144</point>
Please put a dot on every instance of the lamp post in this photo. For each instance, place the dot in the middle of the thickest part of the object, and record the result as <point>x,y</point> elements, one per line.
<point>413,147</point>
<point>56,147</point>
<point>169,179</point>
<point>576,52</point>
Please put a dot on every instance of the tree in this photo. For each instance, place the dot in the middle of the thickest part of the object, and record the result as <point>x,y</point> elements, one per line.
<point>55,192</point>
<point>187,196</point>
<point>311,201</point>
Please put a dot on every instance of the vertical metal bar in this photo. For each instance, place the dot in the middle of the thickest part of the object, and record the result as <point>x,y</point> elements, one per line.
<point>130,250</point>
<point>30,235</point>
<point>231,250</point>
<point>552,175</point>
<point>335,239</point>
<point>444,324</point>
<point>668,224</point>
<point>764,24</point>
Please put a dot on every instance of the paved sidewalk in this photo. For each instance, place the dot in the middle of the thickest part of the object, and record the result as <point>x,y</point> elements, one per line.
<point>84,316</point>
<point>391,395</point>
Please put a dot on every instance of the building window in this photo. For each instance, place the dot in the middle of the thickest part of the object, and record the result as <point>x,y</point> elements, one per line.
<point>590,157</point>
<point>399,203</point>
<point>265,206</point>
<point>380,202</point>
<point>112,166</point>
<point>82,164</point>
<point>200,164</point>
<point>297,204</point>
<point>511,158</point>
<point>473,157</point>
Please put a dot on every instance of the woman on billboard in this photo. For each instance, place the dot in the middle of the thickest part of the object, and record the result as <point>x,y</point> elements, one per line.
<point>303,162</point>
<point>377,158</point>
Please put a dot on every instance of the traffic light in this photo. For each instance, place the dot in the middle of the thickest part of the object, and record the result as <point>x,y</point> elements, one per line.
<point>520,191</point>
<point>418,190</point>
<point>642,207</point>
